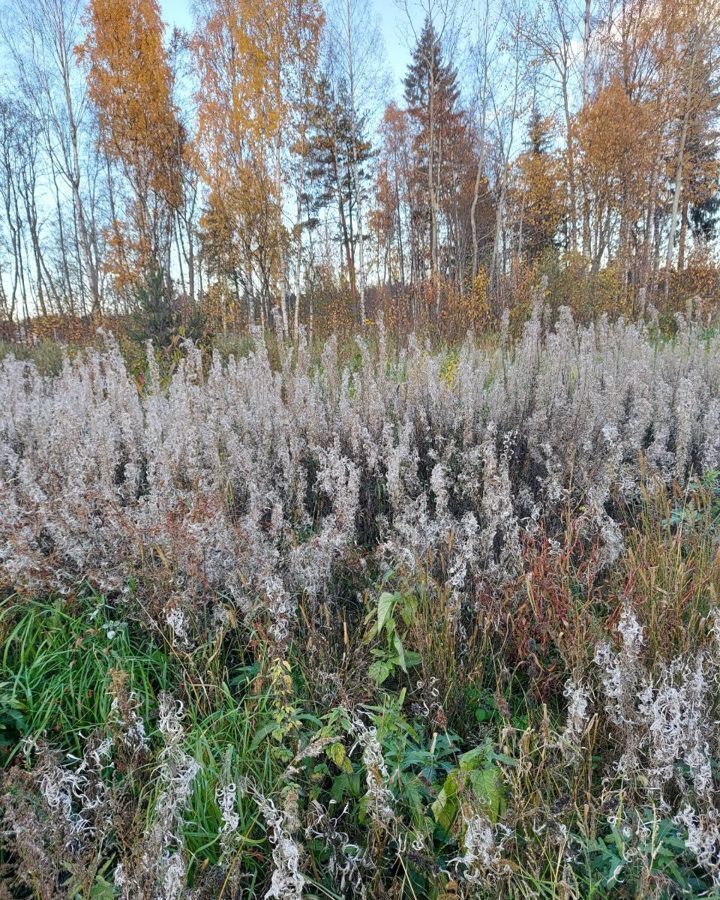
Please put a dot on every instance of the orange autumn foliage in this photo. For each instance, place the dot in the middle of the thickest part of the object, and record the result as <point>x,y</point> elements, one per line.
<point>130,83</point>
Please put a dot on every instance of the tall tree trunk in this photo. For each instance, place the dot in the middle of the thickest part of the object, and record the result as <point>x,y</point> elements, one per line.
<point>88,261</point>
<point>683,235</point>
<point>680,162</point>
<point>433,196</point>
<point>473,216</point>
<point>585,100</point>
<point>354,165</point>
<point>570,156</point>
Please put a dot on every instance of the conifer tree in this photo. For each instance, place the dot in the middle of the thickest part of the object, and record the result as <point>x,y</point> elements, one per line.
<point>339,154</point>
<point>432,98</point>
<point>538,192</point>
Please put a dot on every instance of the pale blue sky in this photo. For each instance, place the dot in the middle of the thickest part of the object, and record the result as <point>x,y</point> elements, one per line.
<point>396,32</point>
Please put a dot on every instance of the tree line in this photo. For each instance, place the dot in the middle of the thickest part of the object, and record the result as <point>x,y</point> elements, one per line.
<point>258,168</point>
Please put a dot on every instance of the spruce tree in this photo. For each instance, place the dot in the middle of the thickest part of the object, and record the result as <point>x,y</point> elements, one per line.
<point>432,98</point>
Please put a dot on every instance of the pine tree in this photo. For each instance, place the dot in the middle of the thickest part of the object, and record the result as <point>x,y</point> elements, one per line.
<point>338,151</point>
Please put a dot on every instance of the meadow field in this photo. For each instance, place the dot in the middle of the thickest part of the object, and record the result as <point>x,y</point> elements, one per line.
<point>359,449</point>
<point>372,619</point>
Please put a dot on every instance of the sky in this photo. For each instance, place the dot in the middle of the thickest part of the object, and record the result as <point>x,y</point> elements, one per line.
<point>396,33</point>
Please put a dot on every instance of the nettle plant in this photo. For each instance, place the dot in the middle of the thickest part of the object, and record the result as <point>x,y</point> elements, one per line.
<point>393,610</point>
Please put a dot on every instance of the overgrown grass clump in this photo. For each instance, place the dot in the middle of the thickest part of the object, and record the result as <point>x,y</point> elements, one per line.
<point>405,755</point>
<point>382,624</point>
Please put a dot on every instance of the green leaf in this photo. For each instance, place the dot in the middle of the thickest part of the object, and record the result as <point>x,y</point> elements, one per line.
<point>262,734</point>
<point>487,786</point>
<point>341,786</point>
<point>400,650</point>
<point>502,758</point>
<point>446,807</point>
<point>336,753</point>
<point>473,759</point>
<point>380,671</point>
<point>413,793</point>
<point>412,658</point>
<point>386,603</point>
<point>308,717</point>
<point>408,609</point>
<point>102,889</point>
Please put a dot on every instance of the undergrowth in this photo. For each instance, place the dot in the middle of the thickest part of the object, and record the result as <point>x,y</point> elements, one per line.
<point>409,625</point>
<point>399,753</point>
